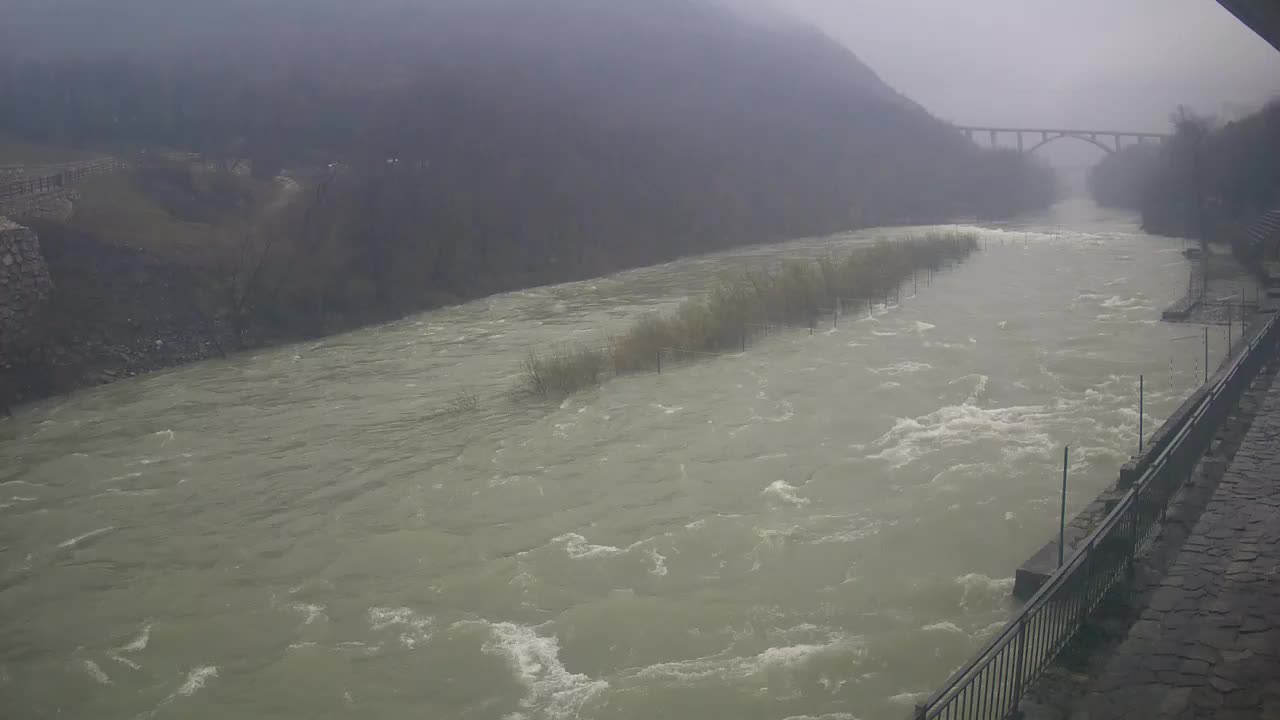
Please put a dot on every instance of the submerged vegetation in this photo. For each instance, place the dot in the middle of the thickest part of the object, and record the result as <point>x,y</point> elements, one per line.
<point>744,304</point>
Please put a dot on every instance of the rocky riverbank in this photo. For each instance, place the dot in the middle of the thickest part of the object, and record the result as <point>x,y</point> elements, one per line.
<point>105,313</point>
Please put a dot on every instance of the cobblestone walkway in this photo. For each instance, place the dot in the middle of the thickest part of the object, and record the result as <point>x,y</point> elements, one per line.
<point>1208,645</point>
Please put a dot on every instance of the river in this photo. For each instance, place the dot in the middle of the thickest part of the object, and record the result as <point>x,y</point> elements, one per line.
<point>823,526</point>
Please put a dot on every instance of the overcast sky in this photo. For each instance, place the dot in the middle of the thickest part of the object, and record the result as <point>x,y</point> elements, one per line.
<point>1114,64</point>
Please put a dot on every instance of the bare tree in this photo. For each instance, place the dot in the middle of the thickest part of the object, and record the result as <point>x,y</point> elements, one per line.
<point>1191,135</point>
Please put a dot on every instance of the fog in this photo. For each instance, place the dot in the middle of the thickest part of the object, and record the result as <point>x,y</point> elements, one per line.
<point>1091,63</point>
<point>514,386</point>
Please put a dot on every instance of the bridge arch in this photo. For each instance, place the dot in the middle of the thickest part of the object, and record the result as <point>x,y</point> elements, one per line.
<point>1085,138</point>
<point>1108,141</point>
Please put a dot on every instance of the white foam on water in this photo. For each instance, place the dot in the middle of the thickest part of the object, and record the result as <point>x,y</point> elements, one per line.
<point>552,692</point>
<point>824,716</point>
<point>16,500</point>
<point>861,529</point>
<point>139,642</point>
<point>994,589</point>
<point>1125,303</point>
<point>659,562</point>
<point>726,667</point>
<point>312,612</point>
<point>96,672</point>
<point>578,548</point>
<point>833,686</point>
<point>196,680</point>
<point>908,698</point>
<point>889,385</point>
<point>991,629</point>
<point>943,627</point>
<point>666,410</point>
<point>924,326</point>
<point>1002,324</point>
<point>117,492</point>
<point>979,386</point>
<point>770,538</point>
<point>167,436</point>
<point>1019,429</point>
<point>154,460</point>
<point>124,661</point>
<point>415,629</point>
<point>356,645</point>
<point>906,367</point>
<point>81,538</point>
<point>786,492</point>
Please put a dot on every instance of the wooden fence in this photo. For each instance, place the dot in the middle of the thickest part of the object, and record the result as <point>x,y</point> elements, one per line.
<point>56,182</point>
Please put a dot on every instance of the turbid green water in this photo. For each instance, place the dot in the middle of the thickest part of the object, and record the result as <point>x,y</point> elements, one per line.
<point>824,526</point>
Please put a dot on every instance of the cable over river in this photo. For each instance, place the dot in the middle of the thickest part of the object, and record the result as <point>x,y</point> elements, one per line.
<point>823,526</point>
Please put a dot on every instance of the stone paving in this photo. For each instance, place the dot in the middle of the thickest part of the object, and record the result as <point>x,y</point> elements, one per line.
<point>1208,644</point>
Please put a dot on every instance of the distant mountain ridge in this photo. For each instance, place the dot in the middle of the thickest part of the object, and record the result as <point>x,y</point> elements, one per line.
<point>533,140</point>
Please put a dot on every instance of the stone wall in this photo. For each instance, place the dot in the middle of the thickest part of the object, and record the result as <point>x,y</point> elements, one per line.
<point>25,285</point>
<point>57,206</point>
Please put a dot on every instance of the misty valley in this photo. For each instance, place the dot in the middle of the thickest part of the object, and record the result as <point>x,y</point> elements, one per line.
<point>558,360</point>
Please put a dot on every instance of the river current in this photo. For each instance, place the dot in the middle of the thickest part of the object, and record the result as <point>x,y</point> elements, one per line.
<point>824,526</point>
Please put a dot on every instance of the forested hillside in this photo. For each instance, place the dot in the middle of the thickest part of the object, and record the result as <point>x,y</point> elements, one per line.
<point>449,149</point>
<point>1231,167</point>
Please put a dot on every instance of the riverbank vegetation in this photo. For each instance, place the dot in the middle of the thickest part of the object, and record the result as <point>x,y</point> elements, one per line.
<point>744,304</point>
<point>1221,175</point>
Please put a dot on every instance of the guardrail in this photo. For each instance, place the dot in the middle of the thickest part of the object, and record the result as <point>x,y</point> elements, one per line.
<point>28,187</point>
<point>994,680</point>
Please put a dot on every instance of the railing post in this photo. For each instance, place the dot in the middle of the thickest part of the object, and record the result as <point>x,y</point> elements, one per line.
<point>1088,582</point>
<point>1019,662</point>
<point>1131,562</point>
<point>920,711</point>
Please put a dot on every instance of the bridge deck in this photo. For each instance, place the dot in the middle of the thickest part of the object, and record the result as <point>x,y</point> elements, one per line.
<point>1061,131</point>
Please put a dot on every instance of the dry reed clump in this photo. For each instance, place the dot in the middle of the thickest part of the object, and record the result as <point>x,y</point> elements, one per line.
<point>464,401</point>
<point>565,370</point>
<point>742,304</point>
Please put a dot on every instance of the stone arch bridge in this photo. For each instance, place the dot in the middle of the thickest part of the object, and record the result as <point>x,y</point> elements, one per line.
<point>1032,139</point>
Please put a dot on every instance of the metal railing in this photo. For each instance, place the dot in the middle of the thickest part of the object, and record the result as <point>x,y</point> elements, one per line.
<point>994,680</point>
<point>58,181</point>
